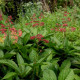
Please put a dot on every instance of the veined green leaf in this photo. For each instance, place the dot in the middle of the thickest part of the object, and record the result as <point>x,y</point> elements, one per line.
<point>10,54</point>
<point>54,39</point>
<point>76,71</point>
<point>33,56</point>
<point>24,33</point>
<point>26,30</point>
<point>77,54</point>
<point>20,63</point>
<point>34,31</point>
<point>17,78</point>
<point>77,48</point>
<point>49,57</point>
<point>1,54</point>
<point>49,75</point>
<point>11,64</point>
<point>26,38</point>
<point>66,44</point>
<point>49,35</point>
<point>47,65</point>
<point>9,75</point>
<point>27,71</point>
<point>77,77</point>
<point>28,45</point>
<point>42,59</point>
<point>43,32</point>
<point>70,75</point>
<point>48,51</point>
<point>65,63</point>
<point>66,74</point>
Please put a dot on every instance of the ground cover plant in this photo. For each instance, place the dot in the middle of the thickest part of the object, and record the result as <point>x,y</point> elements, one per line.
<point>44,46</point>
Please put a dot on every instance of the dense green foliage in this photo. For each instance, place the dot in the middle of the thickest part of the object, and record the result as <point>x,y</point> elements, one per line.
<point>16,7</point>
<point>41,46</point>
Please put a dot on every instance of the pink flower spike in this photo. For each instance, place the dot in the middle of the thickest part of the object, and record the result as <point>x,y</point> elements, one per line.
<point>32,37</point>
<point>56,29</point>
<point>34,15</point>
<point>0,15</point>
<point>65,14</point>
<point>42,24</point>
<point>36,24</point>
<point>1,19</point>
<point>39,17</point>
<point>62,30</point>
<point>64,25</point>
<point>16,37</point>
<point>31,21</point>
<point>73,29</point>
<point>63,19</point>
<point>35,21</point>
<point>5,35</point>
<point>27,24</point>
<point>10,17</point>
<point>2,26</point>
<point>39,37</point>
<point>12,22</point>
<point>52,29</point>
<point>41,14</point>
<point>34,18</point>
<point>57,24</point>
<point>20,32</point>
<point>6,21</point>
<point>46,41</point>
<point>69,19</point>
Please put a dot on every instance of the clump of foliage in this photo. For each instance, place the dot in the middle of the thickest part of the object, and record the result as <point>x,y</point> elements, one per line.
<point>44,46</point>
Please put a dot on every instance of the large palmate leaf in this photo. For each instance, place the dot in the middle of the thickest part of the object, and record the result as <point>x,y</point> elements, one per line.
<point>49,75</point>
<point>20,62</point>
<point>9,75</point>
<point>11,64</point>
